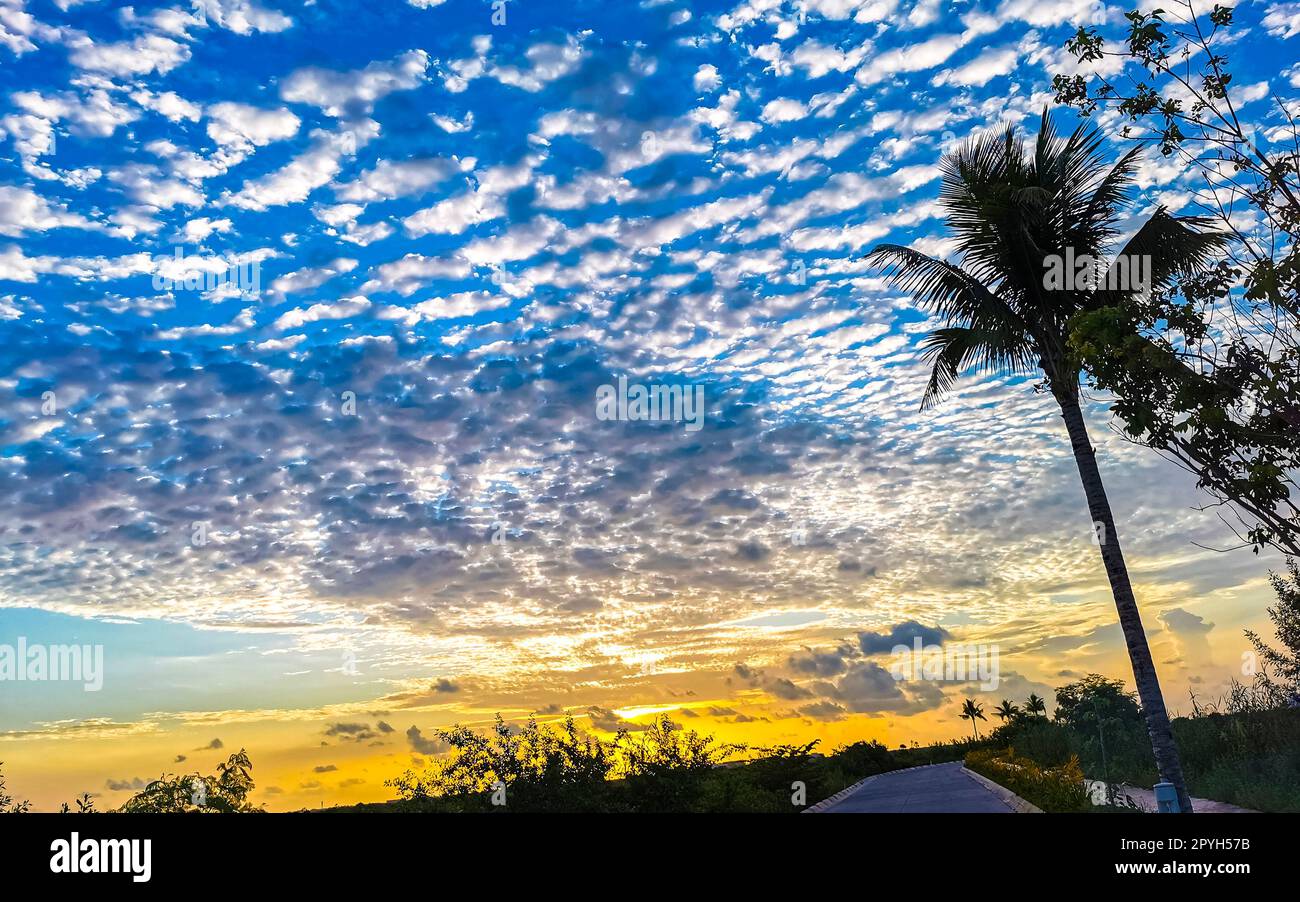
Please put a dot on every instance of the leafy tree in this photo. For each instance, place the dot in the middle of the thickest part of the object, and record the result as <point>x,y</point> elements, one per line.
<point>1282,686</point>
<point>1035,706</point>
<point>1035,736</point>
<point>1015,212</point>
<point>1007,711</point>
<point>1207,372</point>
<point>225,792</point>
<point>666,747</point>
<point>867,757</point>
<point>666,767</point>
<point>1081,704</point>
<point>540,768</point>
<point>85,805</point>
<point>658,769</point>
<point>972,710</point>
<point>7,803</point>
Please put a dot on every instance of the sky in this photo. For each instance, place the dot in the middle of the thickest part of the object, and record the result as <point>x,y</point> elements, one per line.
<point>352,487</point>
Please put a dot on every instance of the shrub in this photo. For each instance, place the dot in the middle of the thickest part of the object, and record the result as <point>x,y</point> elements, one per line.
<point>661,768</point>
<point>865,758</point>
<point>1053,789</point>
<point>7,803</point>
<point>225,792</point>
<point>1036,737</point>
<point>542,769</point>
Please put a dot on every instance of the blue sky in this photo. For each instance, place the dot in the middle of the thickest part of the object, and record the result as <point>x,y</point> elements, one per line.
<point>461,229</point>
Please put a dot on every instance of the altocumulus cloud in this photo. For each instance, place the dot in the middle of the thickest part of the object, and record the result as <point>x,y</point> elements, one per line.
<point>396,438</point>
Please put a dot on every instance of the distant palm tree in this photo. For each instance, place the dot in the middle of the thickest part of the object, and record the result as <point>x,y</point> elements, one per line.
<point>1035,705</point>
<point>1017,214</point>
<point>1007,710</point>
<point>972,710</point>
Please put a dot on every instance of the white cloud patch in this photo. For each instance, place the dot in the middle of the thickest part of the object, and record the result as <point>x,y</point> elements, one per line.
<point>413,273</point>
<point>315,167</point>
<point>980,71</point>
<point>145,54</point>
<point>546,63</point>
<point>240,127</point>
<point>23,210</point>
<point>1282,20</point>
<point>341,309</point>
<point>390,179</point>
<point>706,78</point>
<point>783,109</point>
<point>352,94</point>
<point>309,279</point>
<point>241,16</point>
<point>20,30</point>
<point>927,54</point>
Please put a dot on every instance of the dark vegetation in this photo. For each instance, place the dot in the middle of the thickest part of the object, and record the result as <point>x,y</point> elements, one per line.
<point>664,768</point>
<point>1239,750</point>
<point>1058,788</point>
<point>224,792</point>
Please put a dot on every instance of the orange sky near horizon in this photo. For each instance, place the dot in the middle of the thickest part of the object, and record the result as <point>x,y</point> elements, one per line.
<point>301,760</point>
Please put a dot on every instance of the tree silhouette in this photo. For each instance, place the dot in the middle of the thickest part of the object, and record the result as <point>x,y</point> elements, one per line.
<point>1016,212</point>
<point>226,792</point>
<point>1283,686</point>
<point>972,710</point>
<point>7,803</point>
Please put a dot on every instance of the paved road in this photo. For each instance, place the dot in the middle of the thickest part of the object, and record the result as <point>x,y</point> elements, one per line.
<point>941,788</point>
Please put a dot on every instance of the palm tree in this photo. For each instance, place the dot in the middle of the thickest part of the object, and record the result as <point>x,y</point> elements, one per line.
<point>1016,212</point>
<point>1007,710</point>
<point>1035,705</point>
<point>972,710</point>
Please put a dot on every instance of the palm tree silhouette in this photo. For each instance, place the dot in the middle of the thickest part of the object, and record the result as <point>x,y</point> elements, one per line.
<point>1035,705</point>
<point>1015,211</point>
<point>972,710</point>
<point>1007,710</point>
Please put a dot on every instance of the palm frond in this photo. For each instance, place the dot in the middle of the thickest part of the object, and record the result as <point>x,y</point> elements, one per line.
<point>937,285</point>
<point>1112,194</point>
<point>1165,248</point>
<point>953,349</point>
<point>1015,210</point>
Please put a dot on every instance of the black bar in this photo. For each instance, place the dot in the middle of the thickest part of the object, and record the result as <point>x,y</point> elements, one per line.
<point>298,851</point>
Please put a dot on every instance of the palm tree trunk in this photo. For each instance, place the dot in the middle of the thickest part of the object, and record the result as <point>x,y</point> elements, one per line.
<point>1130,621</point>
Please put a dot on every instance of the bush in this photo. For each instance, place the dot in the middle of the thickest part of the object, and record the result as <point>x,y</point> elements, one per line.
<point>541,769</point>
<point>1053,789</point>
<point>225,792</point>
<point>936,753</point>
<point>1036,737</point>
<point>7,803</point>
<point>663,768</point>
<point>1249,758</point>
<point>865,758</point>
